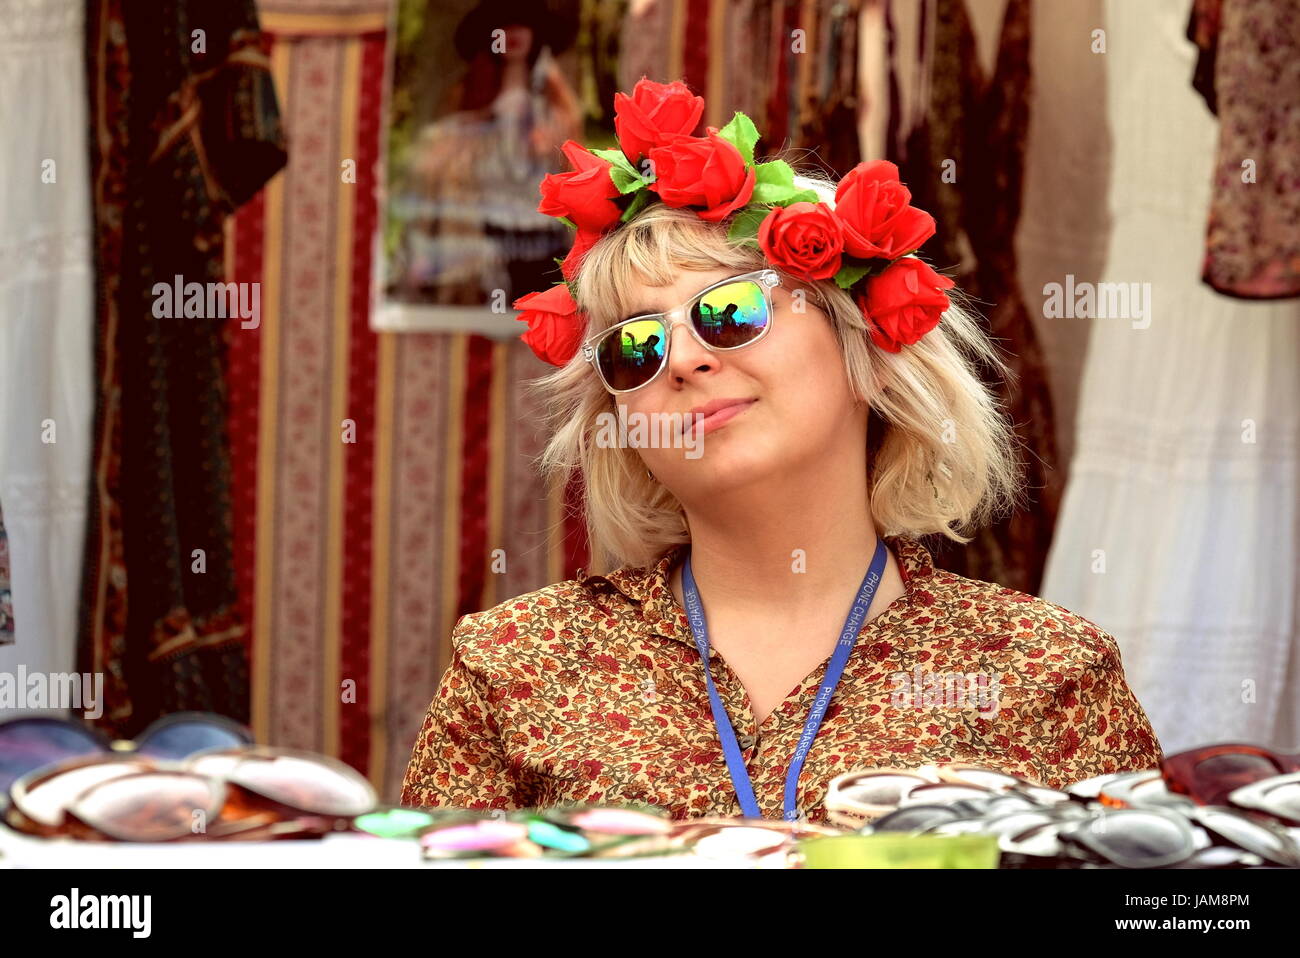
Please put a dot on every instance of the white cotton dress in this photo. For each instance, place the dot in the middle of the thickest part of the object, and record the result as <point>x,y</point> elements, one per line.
<point>46,325</point>
<point>1179,532</point>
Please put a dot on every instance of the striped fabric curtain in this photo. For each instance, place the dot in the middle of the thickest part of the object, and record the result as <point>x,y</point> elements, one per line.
<point>383,484</point>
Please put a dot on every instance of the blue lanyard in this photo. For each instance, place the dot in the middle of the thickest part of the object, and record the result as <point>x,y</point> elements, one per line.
<point>730,748</point>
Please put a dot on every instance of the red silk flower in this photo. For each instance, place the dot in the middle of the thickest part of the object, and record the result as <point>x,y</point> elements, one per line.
<point>555,324</point>
<point>585,195</point>
<point>654,112</point>
<point>583,240</point>
<point>804,239</point>
<point>875,209</point>
<point>904,303</point>
<point>705,172</point>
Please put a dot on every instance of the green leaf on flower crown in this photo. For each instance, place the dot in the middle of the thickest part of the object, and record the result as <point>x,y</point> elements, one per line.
<point>639,202</point>
<point>567,222</point>
<point>853,270</point>
<point>774,173</point>
<point>802,196</point>
<point>850,273</point>
<point>616,159</point>
<point>626,183</point>
<point>774,185</point>
<point>744,225</point>
<point>742,134</point>
<point>621,172</point>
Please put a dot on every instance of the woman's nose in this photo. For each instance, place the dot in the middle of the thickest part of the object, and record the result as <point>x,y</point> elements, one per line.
<point>687,354</point>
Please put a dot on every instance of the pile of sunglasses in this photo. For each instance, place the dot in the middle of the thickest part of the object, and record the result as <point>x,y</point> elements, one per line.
<point>592,832</point>
<point>1220,806</point>
<point>193,777</point>
<point>188,777</point>
<point>198,777</point>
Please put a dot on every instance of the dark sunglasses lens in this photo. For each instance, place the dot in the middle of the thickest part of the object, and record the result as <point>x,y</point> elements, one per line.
<point>1138,840</point>
<point>1273,844</point>
<point>1218,775</point>
<point>884,789</point>
<point>916,818</point>
<point>27,744</point>
<point>731,315</point>
<point>188,736</point>
<point>630,356</point>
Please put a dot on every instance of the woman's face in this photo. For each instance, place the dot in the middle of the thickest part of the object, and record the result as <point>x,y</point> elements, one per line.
<point>793,405</point>
<point>518,41</point>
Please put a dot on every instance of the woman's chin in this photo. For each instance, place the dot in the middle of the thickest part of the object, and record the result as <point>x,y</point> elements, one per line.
<point>720,470</point>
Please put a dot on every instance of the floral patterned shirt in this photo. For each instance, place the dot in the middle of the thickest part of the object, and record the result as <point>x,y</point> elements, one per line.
<point>592,690</point>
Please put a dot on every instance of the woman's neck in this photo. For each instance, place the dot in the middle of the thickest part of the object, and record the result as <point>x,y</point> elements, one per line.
<point>784,551</point>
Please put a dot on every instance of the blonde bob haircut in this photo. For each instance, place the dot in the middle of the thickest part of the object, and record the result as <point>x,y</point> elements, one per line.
<point>941,455</point>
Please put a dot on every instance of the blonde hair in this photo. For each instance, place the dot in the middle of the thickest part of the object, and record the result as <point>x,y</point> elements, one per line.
<point>941,455</point>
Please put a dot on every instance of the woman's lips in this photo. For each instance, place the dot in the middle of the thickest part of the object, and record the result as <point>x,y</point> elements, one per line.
<point>723,416</point>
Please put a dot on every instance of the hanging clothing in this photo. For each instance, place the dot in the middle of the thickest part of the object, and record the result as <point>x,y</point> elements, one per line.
<point>829,105</point>
<point>1248,70</point>
<point>186,129</point>
<point>46,317</point>
<point>467,204</point>
<point>975,126</point>
<point>1180,530</point>
<point>796,77</point>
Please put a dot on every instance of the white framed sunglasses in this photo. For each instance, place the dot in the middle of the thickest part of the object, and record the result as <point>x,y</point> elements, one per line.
<point>730,314</point>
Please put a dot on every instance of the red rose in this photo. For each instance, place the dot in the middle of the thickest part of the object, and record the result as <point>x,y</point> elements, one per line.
<point>583,241</point>
<point>654,112</point>
<point>904,303</point>
<point>702,171</point>
<point>585,195</point>
<point>804,239</point>
<point>555,324</point>
<point>878,222</point>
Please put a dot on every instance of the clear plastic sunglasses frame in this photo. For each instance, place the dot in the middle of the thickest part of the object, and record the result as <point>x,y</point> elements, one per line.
<point>767,280</point>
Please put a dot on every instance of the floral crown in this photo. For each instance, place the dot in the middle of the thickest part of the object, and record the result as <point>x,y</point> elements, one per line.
<point>866,243</point>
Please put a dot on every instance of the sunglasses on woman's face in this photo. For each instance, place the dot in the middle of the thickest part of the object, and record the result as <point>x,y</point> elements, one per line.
<point>730,314</point>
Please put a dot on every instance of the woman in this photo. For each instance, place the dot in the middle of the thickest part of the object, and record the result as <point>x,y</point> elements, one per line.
<point>841,420</point>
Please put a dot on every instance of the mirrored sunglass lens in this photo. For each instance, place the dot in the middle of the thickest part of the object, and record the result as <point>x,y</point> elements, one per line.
<point>1138,836</point>
<point>483,836</point>
<point>632,355</point>
<point>307,785</point>
<point>731,315</point>
<point>27,744</point>
<point>46,800</point>
<point>882,789</point>
<point>150,807</point>
<point>915,818</point>
<point>394,822</point>
<point>187,737</point>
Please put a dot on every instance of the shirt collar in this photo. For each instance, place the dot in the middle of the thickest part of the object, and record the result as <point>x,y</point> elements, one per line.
<point>649,585</point>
